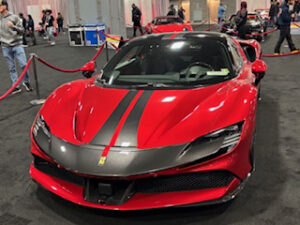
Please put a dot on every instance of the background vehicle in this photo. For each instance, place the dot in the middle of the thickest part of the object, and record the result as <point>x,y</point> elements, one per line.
<point>165,24</point>
<point>255,25</point>
<point>157,128</point>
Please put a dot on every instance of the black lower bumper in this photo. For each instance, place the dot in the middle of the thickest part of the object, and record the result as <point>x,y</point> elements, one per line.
<point>117,191</point>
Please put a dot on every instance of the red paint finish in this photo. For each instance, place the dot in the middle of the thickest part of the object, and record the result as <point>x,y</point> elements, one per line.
<point>167,28</point>
<point>76,111</point>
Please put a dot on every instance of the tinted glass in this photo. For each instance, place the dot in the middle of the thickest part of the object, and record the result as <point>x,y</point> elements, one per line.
<point>172,62</point>
<point>165,21</point>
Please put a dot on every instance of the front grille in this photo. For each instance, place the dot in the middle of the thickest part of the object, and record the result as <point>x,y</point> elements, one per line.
<point>185,182</point>
<point>116,192</point>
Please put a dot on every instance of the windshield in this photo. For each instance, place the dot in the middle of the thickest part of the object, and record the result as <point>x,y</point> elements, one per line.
<point>169,62</point>
<point>165,21</point>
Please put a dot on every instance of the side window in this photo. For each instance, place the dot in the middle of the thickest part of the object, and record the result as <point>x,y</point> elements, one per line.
<point>238,60</point>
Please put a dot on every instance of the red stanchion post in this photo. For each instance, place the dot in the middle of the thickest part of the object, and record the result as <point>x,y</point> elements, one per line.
<point>38,100</point>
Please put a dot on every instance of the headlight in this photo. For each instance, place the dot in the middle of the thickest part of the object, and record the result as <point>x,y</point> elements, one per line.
<point>185,29</point>
<point>224,139</point>
<point>41,124</point>
<point>231,136</point>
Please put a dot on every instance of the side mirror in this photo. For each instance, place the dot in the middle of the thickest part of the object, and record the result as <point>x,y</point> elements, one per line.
<point>88,69</point>
<point>259,69</point>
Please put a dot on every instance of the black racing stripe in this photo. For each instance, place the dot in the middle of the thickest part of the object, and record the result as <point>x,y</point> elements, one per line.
<point>105,134</point>
<point>128,133</point>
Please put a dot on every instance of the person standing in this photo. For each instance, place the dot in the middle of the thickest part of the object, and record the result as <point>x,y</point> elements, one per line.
<point>221,12</point>
<point>49,26</point>
<point>60,22</point>
<point>273,12</point>
<point>172,11</point>
<point>136,19</point>
<point>297,10</point>
<point>181,12</point>
<point>24,23</point>
<point>284,25</point>
<point>30,28</point>
<point>11,31</point>
<point>241,20</point>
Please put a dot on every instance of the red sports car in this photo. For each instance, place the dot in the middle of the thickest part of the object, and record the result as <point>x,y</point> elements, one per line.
<point>170,121</point>
<point>165,24</point>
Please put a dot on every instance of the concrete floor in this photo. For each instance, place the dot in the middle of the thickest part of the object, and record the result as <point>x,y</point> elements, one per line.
<point>271,197</point>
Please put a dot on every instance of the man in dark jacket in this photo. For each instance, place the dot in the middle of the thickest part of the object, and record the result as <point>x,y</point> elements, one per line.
<point>273,12</point>
<point>241,20</point>
<point>172,11</point>
<point>136,19</point>
<point>297,10</point>
<point>24,23</point>
<point>284,25</point>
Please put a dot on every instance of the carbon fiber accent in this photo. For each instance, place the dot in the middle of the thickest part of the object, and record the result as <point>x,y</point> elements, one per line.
<point>185,182</point>
<point>52,170</point>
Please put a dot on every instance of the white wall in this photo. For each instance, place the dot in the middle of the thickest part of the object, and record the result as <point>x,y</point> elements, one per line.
<point>254,4</point>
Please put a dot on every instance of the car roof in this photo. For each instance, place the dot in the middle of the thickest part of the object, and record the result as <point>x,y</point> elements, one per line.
<point>183,36</point>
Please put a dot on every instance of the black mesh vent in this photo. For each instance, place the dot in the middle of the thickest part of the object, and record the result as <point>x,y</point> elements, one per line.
<point>179,182</point>
<point>185,182</point>
<point>52,170</point>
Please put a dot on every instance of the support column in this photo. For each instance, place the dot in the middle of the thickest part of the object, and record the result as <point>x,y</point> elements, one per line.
<point>198,10</point>
<point>77,14</point>
<point>231,7</point>
<point>99,11</point>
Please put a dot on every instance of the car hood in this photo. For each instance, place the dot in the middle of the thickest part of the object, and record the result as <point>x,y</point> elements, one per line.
<point>172,28</point>
<point>84,113</point>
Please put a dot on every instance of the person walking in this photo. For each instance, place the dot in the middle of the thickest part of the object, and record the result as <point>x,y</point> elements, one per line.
<point>136,19</point>
<point>60,22</point>
<point>30,28</point>
<point>43,32</point>
<point>284,25</point>
<point>181,12</point>
<point>172,11</point>
<point>241,20</point>
<point>24,23</point>
<point>11,31</point>
<point>221,12</point>
<point>49,27</point>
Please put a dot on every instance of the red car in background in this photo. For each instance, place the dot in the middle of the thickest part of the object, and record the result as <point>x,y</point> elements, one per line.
<point>170,121</point>
<point>165,24</point>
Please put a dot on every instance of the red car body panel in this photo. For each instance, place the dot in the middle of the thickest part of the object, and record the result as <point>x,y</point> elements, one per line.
<point>167,28</point>
<point>171,117</point>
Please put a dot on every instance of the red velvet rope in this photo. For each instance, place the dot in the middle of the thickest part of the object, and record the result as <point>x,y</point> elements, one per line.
<point>57,68</point>
<point>211,27</point>
<point>18,81</point>
<point>69,70</point>
<point>252,35</point>
<point>261,34</point>
<point>281,55</point>
<point>296,25</point>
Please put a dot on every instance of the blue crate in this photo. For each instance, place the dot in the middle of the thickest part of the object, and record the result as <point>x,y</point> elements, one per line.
<point>91,36</point>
